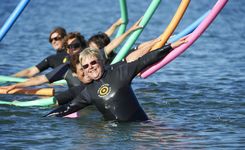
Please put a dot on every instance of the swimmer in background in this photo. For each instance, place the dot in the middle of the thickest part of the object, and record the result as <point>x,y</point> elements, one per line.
<point>74,43</point>
<point>56,37</point>
<point>68,95</point>
<point>56,40</point>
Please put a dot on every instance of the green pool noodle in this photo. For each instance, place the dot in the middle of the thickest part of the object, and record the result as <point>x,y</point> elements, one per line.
<point>134,36</point>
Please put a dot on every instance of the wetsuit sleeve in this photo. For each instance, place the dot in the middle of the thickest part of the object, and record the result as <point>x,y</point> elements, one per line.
<point>103,55</point>
<point>68,95</point>
<point>75,105</point>
<point>58,73</point>
<point>43,65</point>
<point>148,59</point>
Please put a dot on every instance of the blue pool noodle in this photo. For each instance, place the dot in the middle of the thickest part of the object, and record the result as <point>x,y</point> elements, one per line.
<point>189,29</point>
<point>12,18</point>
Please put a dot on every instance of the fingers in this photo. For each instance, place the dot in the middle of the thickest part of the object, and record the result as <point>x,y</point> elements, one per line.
<point>135,27</point>
<point>138,27</point>
<point>119,21</point>
<point>10,88</point>
<point>184,38</point>
<point>157,39</point>
<point>6,89</point>
<point>138,22</point>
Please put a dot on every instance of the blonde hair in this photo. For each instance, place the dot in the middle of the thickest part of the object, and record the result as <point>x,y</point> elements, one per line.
<point>89,52</point>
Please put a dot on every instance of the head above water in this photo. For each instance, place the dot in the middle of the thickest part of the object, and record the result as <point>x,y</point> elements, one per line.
<point>99,41</point>
<point>56,37</point>
<point>77,69</point>
<point>74,42</point>
<point>91,63</point>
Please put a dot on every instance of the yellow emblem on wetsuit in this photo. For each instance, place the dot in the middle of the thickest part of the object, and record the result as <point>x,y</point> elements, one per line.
<point>104,90</point>
<point>65,60</point>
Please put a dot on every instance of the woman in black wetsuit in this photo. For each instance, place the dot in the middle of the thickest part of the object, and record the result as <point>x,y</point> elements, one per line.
<point>111,90</point>
<point>55,38</point>
<point>74,43</point>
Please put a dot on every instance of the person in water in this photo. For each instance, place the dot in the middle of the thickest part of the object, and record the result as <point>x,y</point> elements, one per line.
<point>76,86</point>
<point>74,83</point>
<point>55,39</point>
<point>74,43</point>
<point>111,90</point>
<point>75,67</point>
<point>101,40</point>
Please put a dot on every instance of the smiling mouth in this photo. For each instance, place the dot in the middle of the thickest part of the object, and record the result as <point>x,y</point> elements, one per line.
<point>92,70</point>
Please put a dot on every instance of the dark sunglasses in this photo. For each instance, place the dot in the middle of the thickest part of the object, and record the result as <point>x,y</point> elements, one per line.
<point>56,39</point>
<point>73,46</point>
<point>94,62</point>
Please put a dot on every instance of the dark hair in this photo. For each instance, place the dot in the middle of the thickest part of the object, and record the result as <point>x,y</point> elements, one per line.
<point>101,40</point>
<point>61,31</point>
<point>74,60</point>
<point>77,36</point>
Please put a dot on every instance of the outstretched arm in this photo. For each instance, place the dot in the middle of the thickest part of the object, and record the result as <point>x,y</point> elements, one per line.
<point>67,109</point>
<point>38,80</point>
<point>142,50</point>
<point>133,68</point>
<point>117,41</point>
<point>145,47</point>
<point>29,72</point>
<point>179,42</point>
<point>113,27</point>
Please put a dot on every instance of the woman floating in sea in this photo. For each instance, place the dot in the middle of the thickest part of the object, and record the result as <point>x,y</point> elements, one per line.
<point>111,90</point>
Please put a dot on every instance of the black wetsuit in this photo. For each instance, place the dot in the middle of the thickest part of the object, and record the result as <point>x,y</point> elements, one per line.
<point>63,72</point>
<point>112,94</point>
<point>75,85</point>
<point>68,95</point>
<point>52,61</point>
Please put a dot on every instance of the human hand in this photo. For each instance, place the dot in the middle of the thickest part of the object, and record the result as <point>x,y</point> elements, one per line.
<point>158,39</point>
<point>119,22</point>
<point>136,25</point>
<point>179,42</point>
<point>9,88</point>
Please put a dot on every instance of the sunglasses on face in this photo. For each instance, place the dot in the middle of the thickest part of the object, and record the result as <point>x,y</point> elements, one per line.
<point>92,63</point>
<point>73,46</point>
<point>56,39</point>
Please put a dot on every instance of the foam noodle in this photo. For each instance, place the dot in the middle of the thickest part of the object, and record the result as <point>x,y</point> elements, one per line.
<point>124,16</point>
<point>16,79</point>
<point>13,17</point>
<point>38,102</point>
<point>191,39</point>
<point>43,91</point>
<point>188,29</point>
<point>73,115</point>
<point>173,24</point>
<point>134,36</point>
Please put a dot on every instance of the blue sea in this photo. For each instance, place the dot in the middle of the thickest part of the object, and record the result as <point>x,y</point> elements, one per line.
<point>195,102</point>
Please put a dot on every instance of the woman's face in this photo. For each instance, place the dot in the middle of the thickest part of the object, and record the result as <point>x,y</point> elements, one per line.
<point>73,46</point>
<point>80,74</point>
<point>56,41</point>
<point>92,67</point>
